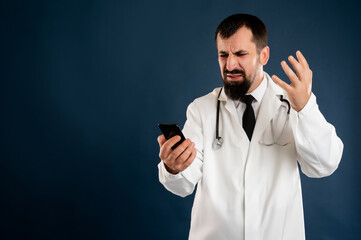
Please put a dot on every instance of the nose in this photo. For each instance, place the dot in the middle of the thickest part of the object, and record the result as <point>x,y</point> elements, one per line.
<point>231,62</point>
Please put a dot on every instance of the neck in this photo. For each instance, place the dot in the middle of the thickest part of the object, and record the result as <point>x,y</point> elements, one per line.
<point>257,80</point>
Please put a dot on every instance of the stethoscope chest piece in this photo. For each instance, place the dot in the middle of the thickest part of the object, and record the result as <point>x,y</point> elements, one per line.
<point>217,143</point>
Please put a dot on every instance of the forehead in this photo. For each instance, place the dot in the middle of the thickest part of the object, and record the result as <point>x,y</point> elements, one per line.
<point>241,40</point>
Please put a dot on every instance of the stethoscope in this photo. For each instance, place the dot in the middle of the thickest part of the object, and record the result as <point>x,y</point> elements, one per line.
<point>218,142</point>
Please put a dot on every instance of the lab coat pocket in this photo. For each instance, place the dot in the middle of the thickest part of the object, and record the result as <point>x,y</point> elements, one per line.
<point>278,132</point>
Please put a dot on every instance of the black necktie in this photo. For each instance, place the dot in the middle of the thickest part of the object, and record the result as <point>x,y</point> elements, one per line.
<point>248,120</point>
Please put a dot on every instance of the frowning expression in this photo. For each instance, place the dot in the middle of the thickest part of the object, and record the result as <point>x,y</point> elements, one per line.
<point>238,57</point>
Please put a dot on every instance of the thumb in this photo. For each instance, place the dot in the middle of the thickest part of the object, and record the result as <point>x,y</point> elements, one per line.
<point>281,83</point>
<point>161,140</point>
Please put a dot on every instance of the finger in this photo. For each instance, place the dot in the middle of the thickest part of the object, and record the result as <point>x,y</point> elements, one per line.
<point>297,66</point>
<point>166,148</point>
<point>190,159</point>
<point>281,83</point>
<point>161,140</point>
<point>173,140</point>
<point>185,154</point>
<point>289,72</point>
<point>180,149</point>
<point>302,59</point>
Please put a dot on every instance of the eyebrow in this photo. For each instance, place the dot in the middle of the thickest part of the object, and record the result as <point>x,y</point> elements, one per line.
<point>241,52</point>
<point>238,52</point>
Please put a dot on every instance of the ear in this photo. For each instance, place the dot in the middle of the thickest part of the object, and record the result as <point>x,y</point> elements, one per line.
<point>264,56</point>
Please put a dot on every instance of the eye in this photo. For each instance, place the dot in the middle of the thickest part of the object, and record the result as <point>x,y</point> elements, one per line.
<point>223,55</point>
<point>240,54</point>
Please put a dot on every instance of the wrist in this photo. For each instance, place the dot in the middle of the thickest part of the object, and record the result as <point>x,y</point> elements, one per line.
<point>170,170</point>
<point>299,107</point>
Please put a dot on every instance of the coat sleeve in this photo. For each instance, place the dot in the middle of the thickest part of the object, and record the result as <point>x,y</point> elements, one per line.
<point>183,183</point>
<point>319,149</point>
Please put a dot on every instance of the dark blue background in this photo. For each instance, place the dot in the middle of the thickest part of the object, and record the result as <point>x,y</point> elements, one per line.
<point>84,84</point>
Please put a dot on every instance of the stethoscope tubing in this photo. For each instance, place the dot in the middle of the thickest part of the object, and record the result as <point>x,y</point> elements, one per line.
<point>218,142</point>
<point>217,121</point>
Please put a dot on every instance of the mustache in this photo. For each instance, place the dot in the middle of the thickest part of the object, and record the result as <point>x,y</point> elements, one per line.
<point>235,71</point>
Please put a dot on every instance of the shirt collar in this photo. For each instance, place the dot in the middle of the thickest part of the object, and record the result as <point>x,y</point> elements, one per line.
<point>258,93</point>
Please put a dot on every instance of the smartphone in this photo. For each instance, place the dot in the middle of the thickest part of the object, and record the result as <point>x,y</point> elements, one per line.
<point>170,130</point>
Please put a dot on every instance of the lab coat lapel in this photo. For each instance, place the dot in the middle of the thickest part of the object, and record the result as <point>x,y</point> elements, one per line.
<point>232,113</point>
<point>229,105</point>
<point>268,108</point>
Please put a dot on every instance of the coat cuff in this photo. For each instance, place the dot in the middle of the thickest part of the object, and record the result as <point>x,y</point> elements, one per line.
<point>308,107</point>
<point>167,175</point>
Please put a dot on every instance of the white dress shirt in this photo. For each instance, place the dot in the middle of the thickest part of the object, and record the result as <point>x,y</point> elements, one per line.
<point>258,96</point>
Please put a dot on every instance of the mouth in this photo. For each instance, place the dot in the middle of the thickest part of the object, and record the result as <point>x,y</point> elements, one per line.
<point>234,77</point>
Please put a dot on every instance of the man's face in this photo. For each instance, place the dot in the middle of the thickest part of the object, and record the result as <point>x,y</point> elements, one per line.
<point>239,63</point>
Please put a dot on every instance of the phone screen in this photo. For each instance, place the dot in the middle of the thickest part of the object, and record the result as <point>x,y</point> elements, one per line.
<point>170,130</point>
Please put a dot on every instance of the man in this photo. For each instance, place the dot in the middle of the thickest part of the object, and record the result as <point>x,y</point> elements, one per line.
<point>249,188</point>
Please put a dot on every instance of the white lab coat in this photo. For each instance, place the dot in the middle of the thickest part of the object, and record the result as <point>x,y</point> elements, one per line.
<point>247,190</point>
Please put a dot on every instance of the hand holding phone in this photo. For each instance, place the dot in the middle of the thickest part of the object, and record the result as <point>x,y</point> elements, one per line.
<point>170,130</point>
<point>177,153</point>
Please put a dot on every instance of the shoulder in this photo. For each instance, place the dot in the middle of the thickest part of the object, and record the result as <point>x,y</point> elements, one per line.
<point>206,101</point>
<point>202,109</point>
<point>271,84</point>
<point>274,88</point>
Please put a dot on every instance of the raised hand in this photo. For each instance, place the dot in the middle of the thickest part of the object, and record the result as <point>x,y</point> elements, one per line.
<point>299,91</point>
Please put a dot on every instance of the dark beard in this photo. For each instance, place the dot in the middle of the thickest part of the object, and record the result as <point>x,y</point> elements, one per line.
<point>236,90</point>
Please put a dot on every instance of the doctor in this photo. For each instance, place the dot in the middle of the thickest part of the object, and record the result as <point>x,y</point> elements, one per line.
<point>247,189</point>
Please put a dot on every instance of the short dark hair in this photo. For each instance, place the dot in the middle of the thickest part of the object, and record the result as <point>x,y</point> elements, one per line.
<point>231,24</point>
